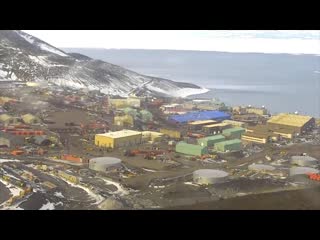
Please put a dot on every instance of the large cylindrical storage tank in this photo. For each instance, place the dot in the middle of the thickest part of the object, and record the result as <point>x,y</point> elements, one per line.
<point>261,168</point>
<point>104,163</point>
<point>209,176</point>
<point>302,171</point>
<point>304,161</point>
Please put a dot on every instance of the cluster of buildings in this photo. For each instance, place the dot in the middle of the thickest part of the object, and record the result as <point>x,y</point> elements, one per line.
<point>200,132</point>
<point>282,126</point>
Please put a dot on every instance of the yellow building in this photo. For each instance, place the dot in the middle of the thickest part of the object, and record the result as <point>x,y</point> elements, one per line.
<point>152,136</point>
<point>123,138</point>
<point>235,123</point>
<point>30,119</point>
<point>260,134</point>
<point>125,120</point>
<point>290,122</point>
<point>171,133</point>
<point>255,137</point>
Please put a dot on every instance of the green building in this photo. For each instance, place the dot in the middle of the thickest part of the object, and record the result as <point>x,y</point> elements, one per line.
<point>131,111</point>
<point>146,116</point>
<point>191,149</point>
<point>233,133</point>
<point>230,145</point>
<point>211,140</point>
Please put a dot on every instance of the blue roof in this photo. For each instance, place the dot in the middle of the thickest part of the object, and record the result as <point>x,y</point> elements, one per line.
<point>200,115</point>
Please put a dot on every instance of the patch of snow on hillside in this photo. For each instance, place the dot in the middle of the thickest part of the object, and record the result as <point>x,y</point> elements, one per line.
<point>148,170</point>
<point>13,190</point>
<point>13,77</point>
<point>47,48</point>
<point>29,39</point>
<point>58,194</point>
<point>121,190</point>
<point>184,92</point>
<point>3,74</point>
<point>158,90</point>
<point>47,206</point>
<point>40,60</point>
<point>99,199</point>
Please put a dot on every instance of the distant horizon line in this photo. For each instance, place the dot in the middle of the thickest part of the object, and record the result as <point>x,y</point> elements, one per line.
<point>189,50</point>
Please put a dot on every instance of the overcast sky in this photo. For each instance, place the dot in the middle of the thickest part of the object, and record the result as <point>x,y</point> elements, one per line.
<point>295,42</point>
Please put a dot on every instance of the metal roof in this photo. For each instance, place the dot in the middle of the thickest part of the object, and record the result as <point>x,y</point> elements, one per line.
<point>28,116</point>
<point>213,137</point>
<point>120,134</point>
<point>290,119</point>
<point>210,173</point>
<point>232,121</point>
<point>5,117</point>
<point>190,146</point>
<point>200,115</point>
<point>235,129</point>
<point>229,142</point>
<point>202,122</point>
<point>217,125</point>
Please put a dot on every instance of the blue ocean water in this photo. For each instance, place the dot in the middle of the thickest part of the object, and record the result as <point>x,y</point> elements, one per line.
<point>280,82</point>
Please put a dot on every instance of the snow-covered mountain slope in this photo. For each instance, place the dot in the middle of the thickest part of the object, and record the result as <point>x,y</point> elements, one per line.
<point>26,58</point>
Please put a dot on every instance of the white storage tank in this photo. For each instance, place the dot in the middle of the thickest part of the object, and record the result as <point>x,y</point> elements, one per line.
<point>209,176</point>
<point>302,170</point>
<point>304,161</point>
<point>261,168</point>
<point>104,163</point>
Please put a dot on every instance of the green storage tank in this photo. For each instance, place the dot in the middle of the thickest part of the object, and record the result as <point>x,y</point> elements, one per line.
<point>191,149</point>
<point>230,145</point>
<point>211,140</point>
<point>233,133</point>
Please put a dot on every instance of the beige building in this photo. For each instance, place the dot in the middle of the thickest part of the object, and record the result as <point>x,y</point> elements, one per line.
<point>152,136</point>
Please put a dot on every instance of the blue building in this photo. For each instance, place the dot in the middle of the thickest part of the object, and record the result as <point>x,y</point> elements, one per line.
<point>200,115</point>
